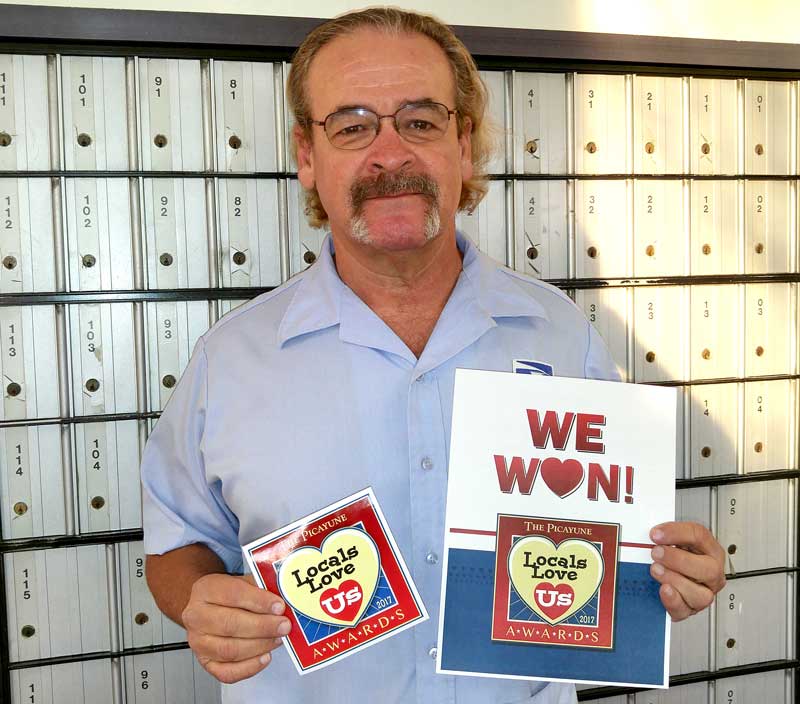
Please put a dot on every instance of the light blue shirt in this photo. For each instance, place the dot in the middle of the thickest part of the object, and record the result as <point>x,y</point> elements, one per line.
<point>304,396</point>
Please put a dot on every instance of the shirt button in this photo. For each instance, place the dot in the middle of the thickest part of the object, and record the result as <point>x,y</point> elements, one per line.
<point>432,652</point>
<point>431,558</point>
<point>420,378</point>
<point>427,463</point>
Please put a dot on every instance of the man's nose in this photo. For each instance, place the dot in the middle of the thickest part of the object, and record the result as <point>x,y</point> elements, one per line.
<point>389,151</point>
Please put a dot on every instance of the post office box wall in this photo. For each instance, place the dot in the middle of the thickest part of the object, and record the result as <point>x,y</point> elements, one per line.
<point>690,639</point>
<point>250,242</point>
<point>226,306</point>
<point>769,422</point>
<point>103,358</point>
<point>27,245</point>
<point>107,459</point>
<point>94,100</point>
<point>142,622</point>
<point>713,409</point>
<point>751,620</point>
<point>171,115</point>
<point>495,82</point>
<point>176,233</point>
<point>601,119</point>
<point>288,119</point>
<point>761,687</point>
<point>32,486</point>
<point>658,125</point>
<point>685,694</point>
<point>660,240</point>
<point>28,362</point>
<point>540,123</point>
<point>690,643</point>
<point>715,226</point>
<point>87,682</point>
<point>24,117</point>
<point>168,678</point>
<point>767,130</point>
<point>751,525</point>
<point>246,129</point>
<point>99,234</point>
<point>601,229</point>
<point>607,311</point>
<point>304,241</point>
<point>714,125</point>
<point>173,330</point>
<point>486,225</point>
<point>43,620</point>
<point>659,333</point>
<point>715,320</point>
<point>542,243</point>
<point>767,227</point>
<point>769,312</point>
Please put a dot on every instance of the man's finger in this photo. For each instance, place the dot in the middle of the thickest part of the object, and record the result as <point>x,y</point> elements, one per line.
<point>229,650</point>
<point>700,568</point>
<point>690,535</point>
<point>210,619</point>
<point>230,672</point>
<point>684,597</point>
<point>676,607</point>
<point>237,592</point>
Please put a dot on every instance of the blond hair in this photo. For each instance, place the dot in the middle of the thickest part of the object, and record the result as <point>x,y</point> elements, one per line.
<point>470,91</point>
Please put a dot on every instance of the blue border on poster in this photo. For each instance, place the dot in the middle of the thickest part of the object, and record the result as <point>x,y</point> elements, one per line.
<point>637,656</point>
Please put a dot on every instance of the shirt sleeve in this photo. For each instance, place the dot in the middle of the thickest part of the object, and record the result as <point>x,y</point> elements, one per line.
<point>180,507</point>
<point>598,363</point>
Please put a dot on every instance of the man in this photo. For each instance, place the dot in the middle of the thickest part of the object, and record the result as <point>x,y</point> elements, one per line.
<point>343,377</point>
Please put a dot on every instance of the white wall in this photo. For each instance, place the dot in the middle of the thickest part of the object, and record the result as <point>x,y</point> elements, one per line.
<point>750,20</point>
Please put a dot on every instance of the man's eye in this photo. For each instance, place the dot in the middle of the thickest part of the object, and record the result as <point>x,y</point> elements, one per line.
<point>351,130</point>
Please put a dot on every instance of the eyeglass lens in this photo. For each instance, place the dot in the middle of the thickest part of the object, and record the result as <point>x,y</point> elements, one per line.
<point>356,128</point>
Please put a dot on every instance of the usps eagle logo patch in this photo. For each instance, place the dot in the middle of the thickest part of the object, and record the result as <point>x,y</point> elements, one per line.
<point>532,366</point>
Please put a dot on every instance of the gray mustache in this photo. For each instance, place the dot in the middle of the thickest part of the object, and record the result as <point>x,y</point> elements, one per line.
<point>386,184</point>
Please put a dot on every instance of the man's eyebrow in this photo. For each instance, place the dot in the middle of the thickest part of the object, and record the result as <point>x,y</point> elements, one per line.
<point>362,106</point>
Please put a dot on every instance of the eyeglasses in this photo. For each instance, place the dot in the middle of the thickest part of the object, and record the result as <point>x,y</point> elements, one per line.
<point>356,128</point>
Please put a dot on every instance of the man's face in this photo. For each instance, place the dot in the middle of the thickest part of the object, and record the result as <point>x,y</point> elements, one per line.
<point>383,73</point>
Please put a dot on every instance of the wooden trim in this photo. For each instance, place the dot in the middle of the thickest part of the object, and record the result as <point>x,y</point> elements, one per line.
<point>182,30</point>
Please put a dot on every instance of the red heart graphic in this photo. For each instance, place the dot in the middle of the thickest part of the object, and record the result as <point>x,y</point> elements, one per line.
<point>343,602</point>
<point>553,600</point>
<point>562,477</point>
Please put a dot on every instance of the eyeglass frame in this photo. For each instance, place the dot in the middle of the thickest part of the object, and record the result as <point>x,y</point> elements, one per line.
<point>380,118</point>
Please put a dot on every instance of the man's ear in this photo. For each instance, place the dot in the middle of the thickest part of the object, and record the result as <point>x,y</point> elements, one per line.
<point>305,157</point>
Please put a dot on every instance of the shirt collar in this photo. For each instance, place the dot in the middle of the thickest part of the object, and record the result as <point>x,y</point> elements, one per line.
<point>322,300</point>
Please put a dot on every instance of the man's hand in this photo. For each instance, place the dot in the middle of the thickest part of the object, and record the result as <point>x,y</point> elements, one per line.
<point>690,566</point>
<point>233,625</point>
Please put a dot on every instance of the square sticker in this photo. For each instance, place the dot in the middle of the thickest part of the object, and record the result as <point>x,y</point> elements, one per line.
<point>343,579</point>
<point>555,582</point>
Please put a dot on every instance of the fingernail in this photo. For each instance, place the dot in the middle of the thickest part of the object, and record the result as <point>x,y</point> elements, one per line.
<point>658,570</point>
<point>668,591</point>
<point>277,642</point>
<point>657,534</point>
<point>657,552</point>
<point>265,658</point>
<point>278,608</point>
<point>284,627</point>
